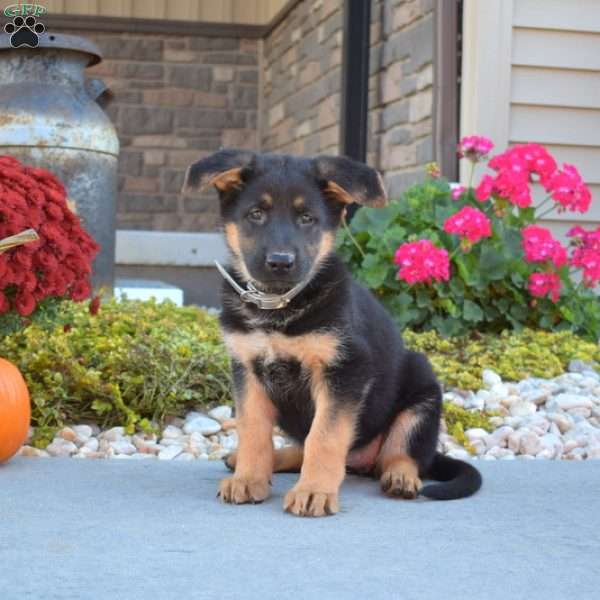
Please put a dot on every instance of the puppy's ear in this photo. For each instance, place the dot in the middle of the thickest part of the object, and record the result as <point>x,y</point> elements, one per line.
<point>348,181</point>
<point>225,169</point>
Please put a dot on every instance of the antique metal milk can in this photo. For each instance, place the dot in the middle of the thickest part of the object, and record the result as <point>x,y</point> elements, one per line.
<point>50,117</point>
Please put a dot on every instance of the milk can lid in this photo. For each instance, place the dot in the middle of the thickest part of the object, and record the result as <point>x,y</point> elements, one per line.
<point>59,41</point>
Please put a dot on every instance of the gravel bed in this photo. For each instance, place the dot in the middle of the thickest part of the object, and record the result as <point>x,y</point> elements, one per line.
<point>555,418</point>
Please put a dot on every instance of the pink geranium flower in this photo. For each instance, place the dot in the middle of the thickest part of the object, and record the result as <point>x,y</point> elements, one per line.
<point>569,190</point>
<point>586,254</point>
<point>422,262</point>
<point>474,147</point>
<point>457,192</point>
<point>543,284</point>
<point>540,246</point>
<point>469,223</point>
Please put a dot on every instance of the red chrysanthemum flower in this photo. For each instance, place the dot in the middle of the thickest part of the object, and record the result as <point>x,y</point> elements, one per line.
<point>59,263</point>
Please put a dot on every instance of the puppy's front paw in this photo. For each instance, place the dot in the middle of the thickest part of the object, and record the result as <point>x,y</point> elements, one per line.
<point>308,503</point>
<point>239,490</point>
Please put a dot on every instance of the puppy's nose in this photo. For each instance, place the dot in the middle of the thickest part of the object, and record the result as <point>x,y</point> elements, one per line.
<point>280,261</point>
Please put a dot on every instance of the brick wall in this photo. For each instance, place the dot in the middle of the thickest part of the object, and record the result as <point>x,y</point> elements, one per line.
<point>302,81</point>
<point>176,99</point>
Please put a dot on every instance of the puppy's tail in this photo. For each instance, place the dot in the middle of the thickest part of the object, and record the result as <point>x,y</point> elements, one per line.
<point>459,479</point>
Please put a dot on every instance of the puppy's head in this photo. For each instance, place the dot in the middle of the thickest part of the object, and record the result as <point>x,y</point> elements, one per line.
<point>280,212</point>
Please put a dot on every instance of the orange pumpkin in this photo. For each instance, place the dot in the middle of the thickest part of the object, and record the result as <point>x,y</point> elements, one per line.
<point>15,410</point>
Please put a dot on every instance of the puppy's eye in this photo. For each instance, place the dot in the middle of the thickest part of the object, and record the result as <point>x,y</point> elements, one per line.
<point>306,219</point>
<point>257,215</point>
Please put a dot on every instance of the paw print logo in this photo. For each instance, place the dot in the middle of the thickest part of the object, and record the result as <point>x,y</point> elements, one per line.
<point>24,32</point>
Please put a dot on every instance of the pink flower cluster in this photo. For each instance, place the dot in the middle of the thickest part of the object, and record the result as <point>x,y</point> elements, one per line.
<point>515,169</point>
<point>469,223</point>
<point>519,166</point>
<point>474,147</point>
<point>543,284</point>
<point>586,254</point>
<point>422,262</point>
<point>569,190</point>
<point>540,246</point>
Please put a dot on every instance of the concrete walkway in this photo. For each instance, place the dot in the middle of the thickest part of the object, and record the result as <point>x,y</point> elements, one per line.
<point>75,529</point>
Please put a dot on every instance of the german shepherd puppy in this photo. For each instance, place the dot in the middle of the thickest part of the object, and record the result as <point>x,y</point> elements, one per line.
<point>313,351</point>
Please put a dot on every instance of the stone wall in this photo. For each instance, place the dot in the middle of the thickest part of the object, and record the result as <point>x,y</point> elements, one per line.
<point>176,99</point>
<point>302,82</point>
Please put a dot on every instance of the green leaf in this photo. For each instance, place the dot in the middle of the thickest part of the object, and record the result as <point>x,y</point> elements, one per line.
<point>472,312</point>
<point>374,271</point>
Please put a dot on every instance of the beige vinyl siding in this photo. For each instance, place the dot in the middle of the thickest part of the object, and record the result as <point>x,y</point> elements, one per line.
<point>555,89</point>
<point>219,11</point>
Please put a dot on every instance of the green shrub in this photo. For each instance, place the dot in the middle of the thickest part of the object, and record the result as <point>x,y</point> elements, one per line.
<point>459,361</point>
<point>489,285</point>
<point>136,362</point>
<point>131,364</point>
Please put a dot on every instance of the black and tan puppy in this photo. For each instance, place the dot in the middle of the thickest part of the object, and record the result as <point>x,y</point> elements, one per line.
<point>313,351</point>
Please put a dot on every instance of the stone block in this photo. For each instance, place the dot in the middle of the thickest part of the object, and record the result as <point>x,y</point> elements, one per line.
<point>214,43</point>
<point>123,48</point>
<point>130,163</point>
<point>248,76</point>
<point>172,180</point>
<point>190,76</point>
<point>398,182</point>
<point>210,100</point>
<point>241,138</point>
<point>424,151</point>
<point>145,120</point>
<point>245,97</point>
<point>197,118</point>
<point>171,55</point>
<point>223,73</point>
<point>141,184</point>
<point>132,203</point>
<point>182,159</point>
<point>169,97</point>
<point>421,105</point>
<point>229,58</point>
<point>140,71</point>
<point>395,114</point>
<point>154,157</point>
<point>158,141</point>
<point>276,114</point>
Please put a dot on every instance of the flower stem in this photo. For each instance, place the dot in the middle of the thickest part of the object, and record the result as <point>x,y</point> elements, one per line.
<point>549,197</point>
<point>472,175</point>
<point>358,246</point>
<point>547,212</point>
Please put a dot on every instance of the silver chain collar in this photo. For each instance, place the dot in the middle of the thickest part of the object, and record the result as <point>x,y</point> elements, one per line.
<point>263,300</point>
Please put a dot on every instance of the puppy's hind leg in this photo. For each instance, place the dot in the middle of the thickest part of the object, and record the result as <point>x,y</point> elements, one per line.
<point>411,442</point>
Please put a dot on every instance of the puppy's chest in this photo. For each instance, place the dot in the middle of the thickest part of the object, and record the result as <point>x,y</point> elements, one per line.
<point>280,359</point>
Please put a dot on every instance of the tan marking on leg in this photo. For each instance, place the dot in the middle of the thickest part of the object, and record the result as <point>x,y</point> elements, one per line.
<point>254,462</point>
<point>325,451</point>
<point>399,472</point>
<point>286,460</point>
